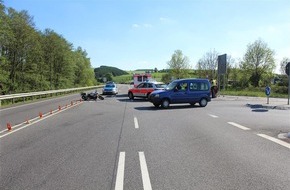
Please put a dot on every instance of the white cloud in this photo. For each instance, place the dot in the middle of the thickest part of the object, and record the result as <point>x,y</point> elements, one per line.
<point>166,20</point>
<point>135,26</point>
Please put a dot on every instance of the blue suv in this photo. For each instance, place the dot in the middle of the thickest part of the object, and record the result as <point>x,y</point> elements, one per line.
<point>183,91</point>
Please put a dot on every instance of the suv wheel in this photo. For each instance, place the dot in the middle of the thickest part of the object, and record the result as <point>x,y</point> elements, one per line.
<point>203,102</point>
<point>131,96</point>
<point>165,103</point>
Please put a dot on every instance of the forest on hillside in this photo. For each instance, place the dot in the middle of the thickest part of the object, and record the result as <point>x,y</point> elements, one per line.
<point>108,73</point>
<point>33,60</point>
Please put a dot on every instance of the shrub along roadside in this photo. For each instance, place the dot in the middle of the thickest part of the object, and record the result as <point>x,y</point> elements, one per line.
<point>277,91</point>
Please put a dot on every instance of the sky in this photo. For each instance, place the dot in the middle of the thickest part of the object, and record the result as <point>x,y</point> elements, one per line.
<point>143,34</point>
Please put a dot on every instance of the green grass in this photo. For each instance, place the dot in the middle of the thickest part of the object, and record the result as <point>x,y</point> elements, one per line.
<point>123,79</point>
<point>252,93</point>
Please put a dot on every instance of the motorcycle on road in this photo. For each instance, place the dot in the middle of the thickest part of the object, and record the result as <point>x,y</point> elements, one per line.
<point>91,96</point>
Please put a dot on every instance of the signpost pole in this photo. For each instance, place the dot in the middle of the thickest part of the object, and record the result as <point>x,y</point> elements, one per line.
<point>288,89</point>
<point>287,70</point>
<point>219,84</point>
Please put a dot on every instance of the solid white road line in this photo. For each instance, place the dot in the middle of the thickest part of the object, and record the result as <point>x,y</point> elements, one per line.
<point>15,130</point>
<point>214,116</point>
<point>287,145</point>
<point>144,172</point>
<point>136,123</point>
<point>120,172</point>
<point>32,121</point>
<point>239,126</point>
<point>25,123</point>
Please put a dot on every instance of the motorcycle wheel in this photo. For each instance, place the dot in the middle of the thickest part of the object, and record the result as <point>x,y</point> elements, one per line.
<point>84,97</point>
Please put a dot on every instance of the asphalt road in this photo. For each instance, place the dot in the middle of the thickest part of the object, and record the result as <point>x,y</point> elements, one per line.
<point>121,144</point>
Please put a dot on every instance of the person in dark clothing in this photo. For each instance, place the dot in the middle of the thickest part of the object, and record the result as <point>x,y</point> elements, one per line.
<point>214,88</point>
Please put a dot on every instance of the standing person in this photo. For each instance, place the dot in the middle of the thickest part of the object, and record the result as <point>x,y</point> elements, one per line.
<point>213,88</point>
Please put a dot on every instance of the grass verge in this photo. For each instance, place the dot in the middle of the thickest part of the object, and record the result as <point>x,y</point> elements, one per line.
<point>251,93</point>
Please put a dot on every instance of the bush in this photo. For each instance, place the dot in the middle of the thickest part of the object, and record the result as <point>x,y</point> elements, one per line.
<point>279,89</point>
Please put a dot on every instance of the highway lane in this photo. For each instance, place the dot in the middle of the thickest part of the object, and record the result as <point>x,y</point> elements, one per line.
<point>86,147</point>
<point>72,150</point>
<point>190,149</point>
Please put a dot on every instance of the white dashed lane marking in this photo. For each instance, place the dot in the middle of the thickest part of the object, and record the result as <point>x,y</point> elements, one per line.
<point>144,172</point>
<point>136,123</point>
<point>120,172</point>
<point>214,116</point>
<point>239,126</point>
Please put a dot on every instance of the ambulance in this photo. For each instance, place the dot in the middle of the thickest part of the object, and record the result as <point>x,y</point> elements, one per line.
<point>138,78</point>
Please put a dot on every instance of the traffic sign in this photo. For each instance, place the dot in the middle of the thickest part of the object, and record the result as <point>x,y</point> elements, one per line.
<point>268,91</point>
<point>222,64</point>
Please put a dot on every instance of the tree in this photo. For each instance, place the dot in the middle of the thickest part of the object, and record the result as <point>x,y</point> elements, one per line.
<point>179,65</point>
<point>283,64</point>
<point>59,58</point>
<point>109,76</point>
<point>166,78</point>
<point>84,74</point>
<point>19,49</point>
<point>207,65</point>
<point>258,62</point>
<point>103,70</point>
<point>5,36</point>
<point>31,60</point>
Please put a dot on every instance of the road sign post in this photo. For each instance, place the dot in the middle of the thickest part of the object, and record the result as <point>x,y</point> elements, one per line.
<point>287,69</point>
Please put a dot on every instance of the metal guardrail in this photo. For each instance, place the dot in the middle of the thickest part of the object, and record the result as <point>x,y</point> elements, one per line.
<point>31,94</point>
